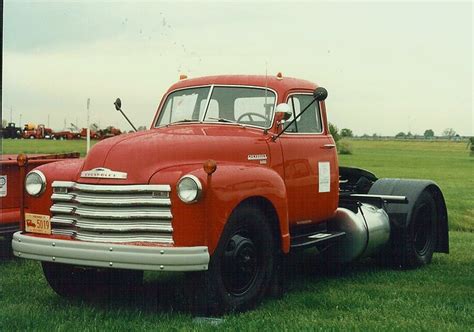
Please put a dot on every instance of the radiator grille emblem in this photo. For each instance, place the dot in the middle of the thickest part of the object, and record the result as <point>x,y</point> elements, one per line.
<point>104,173</point>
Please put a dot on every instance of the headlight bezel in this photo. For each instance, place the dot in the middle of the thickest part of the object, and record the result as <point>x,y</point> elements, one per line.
<point>198,189</point>
<point>43,183</point>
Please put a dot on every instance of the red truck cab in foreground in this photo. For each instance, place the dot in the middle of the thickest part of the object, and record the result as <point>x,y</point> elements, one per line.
<point>234,173</point>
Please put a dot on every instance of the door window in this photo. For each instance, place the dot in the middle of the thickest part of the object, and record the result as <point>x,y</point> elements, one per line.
<point>310,120</point>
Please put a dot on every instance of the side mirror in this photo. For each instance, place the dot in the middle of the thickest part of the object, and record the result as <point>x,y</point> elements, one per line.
<point>283,112</point>
<point>320,93</point>
<point>118,104</point>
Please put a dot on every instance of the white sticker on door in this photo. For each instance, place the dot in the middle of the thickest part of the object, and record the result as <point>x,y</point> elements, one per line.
<point>324,176</point>
<point>3,186</point>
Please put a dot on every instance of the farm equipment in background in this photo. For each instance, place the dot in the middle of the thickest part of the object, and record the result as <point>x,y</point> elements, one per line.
<point>33,131</point>
<point>65,134</point>
<point>82,132</point>
<point>108,132</point>
<point>11,131</point>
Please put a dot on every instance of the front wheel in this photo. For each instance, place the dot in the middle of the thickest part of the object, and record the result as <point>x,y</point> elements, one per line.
<point>241,267</point>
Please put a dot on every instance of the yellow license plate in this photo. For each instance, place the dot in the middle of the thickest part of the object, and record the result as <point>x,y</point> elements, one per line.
<point>37,223</point>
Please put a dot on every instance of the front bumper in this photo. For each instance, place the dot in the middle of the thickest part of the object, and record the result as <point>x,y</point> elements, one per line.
<point>111,255</point>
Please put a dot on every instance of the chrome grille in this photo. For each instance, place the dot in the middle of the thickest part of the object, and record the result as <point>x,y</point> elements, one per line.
<point>112,213</point>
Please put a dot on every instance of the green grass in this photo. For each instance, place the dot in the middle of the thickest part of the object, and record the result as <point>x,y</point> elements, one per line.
<point>362,297</point>
<point>446,163</point>
<point>14,146</point>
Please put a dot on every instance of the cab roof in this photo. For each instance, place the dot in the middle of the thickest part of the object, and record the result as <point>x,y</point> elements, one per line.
<point>280,85</point>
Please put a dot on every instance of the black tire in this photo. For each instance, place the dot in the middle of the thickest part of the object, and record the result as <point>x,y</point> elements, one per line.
<point>87,283</point>
<point>6,250</point>
<point>418,239</point>
<point>240,269</point>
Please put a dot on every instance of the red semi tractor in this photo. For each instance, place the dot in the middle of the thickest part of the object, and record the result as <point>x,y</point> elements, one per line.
<point>235,173</point>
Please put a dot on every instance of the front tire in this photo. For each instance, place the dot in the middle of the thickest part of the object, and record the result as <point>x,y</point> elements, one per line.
<point>241,267</point>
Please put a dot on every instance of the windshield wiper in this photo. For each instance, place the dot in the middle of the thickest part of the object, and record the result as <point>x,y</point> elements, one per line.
<point>181,121</point>
<point>224,120</point>
<point>184,120</point>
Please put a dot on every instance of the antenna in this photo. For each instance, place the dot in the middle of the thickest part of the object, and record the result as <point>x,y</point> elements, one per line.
<point>88,130</point>
<point>266,81</point>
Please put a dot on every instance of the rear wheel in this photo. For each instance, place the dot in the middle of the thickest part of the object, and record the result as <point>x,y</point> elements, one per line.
<point>72,281</point>
<point>241,267</point>
<point>418,239</point>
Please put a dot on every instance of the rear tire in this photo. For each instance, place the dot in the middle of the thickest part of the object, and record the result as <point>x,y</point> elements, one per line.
<point>241,268</point>
<point>417,242</point>
<point>78,282</point>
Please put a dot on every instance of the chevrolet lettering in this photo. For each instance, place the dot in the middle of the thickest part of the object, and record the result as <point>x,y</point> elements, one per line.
<point>103,173</point>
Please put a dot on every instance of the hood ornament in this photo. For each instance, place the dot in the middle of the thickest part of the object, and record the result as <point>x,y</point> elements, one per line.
<point>103,173</point>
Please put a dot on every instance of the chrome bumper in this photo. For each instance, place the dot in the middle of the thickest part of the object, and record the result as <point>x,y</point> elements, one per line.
<point>111,255</point>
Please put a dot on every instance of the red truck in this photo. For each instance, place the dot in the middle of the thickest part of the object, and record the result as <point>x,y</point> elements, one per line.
<point>13,169</point>
<point>235,173</point>
<point>37,132</point>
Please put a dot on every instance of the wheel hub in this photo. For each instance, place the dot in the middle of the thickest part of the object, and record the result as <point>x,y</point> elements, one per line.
<point>239,264</point>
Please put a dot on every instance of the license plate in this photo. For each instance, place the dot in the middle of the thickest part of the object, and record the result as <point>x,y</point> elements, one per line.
<point>37,223</point>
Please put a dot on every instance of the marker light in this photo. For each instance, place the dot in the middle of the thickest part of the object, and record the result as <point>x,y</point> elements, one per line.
<point>22,159</point>
<point>279,76</point>
<point>189,189</point>
<point>209,166</point>
<point>183,77</point>
<point>35,183</point>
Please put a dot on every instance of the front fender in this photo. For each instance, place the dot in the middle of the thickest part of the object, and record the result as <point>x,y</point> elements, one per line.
<point>232,184</point>
<point>202,223</point>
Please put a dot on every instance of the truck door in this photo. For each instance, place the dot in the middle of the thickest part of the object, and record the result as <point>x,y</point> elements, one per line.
<point>310,163</point>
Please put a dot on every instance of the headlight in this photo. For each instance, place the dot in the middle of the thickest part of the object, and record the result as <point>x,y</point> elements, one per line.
<point>189,189</point>
<point>35,183</point>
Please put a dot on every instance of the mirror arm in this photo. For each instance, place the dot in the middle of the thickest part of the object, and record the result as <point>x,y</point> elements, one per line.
<point>292,121</point>
<point>131,124</point>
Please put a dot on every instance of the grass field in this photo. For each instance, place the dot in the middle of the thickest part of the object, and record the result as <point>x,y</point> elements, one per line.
<point>362,297</point>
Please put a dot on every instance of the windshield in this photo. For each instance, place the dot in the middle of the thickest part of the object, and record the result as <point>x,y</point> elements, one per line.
<point>244,105</point>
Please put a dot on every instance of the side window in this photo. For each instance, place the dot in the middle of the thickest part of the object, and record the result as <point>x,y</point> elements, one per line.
<point>310,120</point>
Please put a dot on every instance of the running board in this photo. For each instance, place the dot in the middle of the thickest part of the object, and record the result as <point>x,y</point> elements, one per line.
<point>305,241</point>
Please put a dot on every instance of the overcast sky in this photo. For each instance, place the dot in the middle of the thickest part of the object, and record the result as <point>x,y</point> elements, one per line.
<point>388,66</point>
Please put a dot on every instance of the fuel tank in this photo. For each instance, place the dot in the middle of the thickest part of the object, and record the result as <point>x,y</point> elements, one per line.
<point>367,230</point>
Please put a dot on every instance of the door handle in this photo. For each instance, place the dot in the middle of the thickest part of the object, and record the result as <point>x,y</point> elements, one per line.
<point>328,146</point>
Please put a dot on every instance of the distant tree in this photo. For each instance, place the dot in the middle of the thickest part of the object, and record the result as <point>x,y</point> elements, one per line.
<point>346,132</point>
<point>400,135</point>
<point>375,136</point>
<point>141,128</point>
<point>334,132</point>
<point>449,133</point>
<point>470,145</point>
<point>429,133</point>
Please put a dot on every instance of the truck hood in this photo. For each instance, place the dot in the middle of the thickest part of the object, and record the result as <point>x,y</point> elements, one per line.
<point>142,154</point>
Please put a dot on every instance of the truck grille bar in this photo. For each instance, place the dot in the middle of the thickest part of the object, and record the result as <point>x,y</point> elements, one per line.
<point>112,213</point>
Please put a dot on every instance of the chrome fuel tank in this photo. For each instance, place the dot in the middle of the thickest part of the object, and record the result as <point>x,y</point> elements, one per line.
<point>367,230</point>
